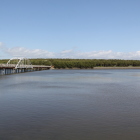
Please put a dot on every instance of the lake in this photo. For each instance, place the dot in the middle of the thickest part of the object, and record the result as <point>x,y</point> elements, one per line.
<point>70,105</point>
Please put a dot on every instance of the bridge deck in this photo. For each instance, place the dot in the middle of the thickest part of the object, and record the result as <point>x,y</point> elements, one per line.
<point>23,66</point>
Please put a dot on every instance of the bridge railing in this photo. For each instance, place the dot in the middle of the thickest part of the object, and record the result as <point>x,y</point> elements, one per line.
<point>40,66</point>
<point>25,66</point>
<point>14,66</point>
<point>7,65</point>
<point>22,66</point>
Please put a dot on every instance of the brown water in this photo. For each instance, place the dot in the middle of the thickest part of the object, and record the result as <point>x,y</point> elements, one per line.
<point>70,105</point>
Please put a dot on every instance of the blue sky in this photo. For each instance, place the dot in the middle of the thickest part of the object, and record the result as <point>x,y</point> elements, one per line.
<point>70,29</point>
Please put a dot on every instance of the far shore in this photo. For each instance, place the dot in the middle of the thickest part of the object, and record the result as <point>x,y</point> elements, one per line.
<point>99,68</point>
<point>116,68</point>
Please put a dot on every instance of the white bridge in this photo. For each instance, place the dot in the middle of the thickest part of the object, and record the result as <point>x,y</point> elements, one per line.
<point>18,65</point>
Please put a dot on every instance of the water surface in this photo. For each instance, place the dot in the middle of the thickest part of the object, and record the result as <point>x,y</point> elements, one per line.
<point>70,105</point>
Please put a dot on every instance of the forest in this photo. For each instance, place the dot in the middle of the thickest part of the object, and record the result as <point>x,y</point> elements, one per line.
<point>82,63</point>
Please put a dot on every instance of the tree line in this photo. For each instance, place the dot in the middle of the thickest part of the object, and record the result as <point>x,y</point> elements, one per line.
<point>85,63</point>
<point>82,63</point>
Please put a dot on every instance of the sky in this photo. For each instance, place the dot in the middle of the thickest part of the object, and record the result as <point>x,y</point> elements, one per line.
<point>89,29</point>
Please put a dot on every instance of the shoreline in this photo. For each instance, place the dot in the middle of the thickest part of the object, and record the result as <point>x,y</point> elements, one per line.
<point>116,68</point>
<point>97,68</point>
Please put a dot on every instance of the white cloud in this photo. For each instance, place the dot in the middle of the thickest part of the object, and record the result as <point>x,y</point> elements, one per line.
<point>39,53</point>
<point>104,55</point>
<point>29,53</point>
<point>64,54</point>
<point>101,55</point>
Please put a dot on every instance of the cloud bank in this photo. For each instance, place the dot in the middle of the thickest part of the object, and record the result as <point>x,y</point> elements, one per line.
<point>39,53</point>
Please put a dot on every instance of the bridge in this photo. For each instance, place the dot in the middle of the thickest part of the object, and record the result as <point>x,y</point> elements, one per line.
<point>19,65</point>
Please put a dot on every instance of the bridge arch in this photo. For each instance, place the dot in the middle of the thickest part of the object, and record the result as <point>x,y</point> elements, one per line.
<point>20,62</point>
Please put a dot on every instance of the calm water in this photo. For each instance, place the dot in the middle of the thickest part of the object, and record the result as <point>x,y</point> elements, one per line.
<point>70,105</point>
